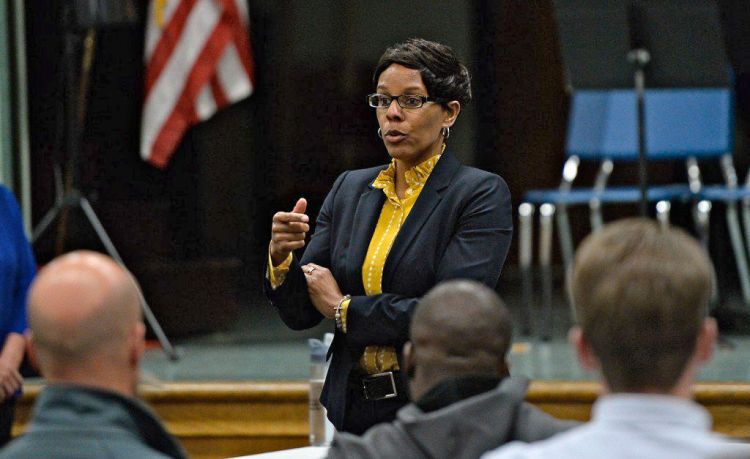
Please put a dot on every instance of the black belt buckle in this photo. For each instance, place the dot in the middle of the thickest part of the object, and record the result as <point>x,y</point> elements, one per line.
<point>379,386</point>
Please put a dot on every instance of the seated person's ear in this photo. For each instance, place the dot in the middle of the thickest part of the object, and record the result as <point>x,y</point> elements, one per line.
<point>137,342</point>
<point>585,354</point>
<point>31,361</point>
<point>706,342</point>
<point>503,367</point>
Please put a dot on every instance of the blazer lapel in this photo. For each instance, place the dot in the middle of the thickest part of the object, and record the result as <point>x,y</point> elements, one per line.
<point>426,202</point>
<point>365,218</point>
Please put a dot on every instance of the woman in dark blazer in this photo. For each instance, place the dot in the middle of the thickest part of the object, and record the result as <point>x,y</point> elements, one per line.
<point>386,235</point>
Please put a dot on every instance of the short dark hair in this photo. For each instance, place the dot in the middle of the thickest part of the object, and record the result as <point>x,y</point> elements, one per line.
<point>461,327</point>
<point>640,294</point>
<point>442,73</point>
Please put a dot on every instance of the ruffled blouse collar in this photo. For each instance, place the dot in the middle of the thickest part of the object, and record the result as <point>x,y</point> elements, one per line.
<point>416,177</point>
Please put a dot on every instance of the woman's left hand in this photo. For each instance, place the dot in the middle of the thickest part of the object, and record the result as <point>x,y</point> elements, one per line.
<point>323,289</point>
<point>10,380</point>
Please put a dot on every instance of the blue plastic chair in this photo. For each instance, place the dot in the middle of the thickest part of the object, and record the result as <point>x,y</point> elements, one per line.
<point>698,123</point>
<point>681,124</point>
<point>601,128</point>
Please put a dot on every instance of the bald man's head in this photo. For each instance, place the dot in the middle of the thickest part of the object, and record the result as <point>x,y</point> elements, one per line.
<point>459,328</point>
<point>84,308</point>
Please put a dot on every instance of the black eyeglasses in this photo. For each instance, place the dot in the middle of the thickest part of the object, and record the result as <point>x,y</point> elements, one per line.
<point>403,101</point>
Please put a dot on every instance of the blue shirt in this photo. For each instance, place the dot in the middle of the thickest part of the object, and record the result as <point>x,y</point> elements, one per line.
<point>17,267</point>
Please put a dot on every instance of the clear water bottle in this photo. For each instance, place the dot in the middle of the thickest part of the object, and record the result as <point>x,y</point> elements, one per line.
<point>321,430</point>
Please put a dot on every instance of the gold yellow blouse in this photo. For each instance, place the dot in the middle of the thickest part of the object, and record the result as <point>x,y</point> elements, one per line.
<point>377,359</point>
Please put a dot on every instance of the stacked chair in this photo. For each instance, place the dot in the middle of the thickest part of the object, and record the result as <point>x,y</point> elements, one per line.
<point>687,117</point>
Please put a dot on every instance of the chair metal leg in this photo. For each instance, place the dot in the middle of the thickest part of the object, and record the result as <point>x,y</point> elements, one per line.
<point>526,228</point>
<point>735,234</point>
<point>746,213</point>
<point>600,185</point>
<point>738,247</point>
<point>595,215</point>
<point>662,213</point>
<point>695,182</point>
<point>546,214</point>
<point>566,239</point>
<point>746,222</point>
<point>702,219</point>
<point>564,233</point>
<point>570,172</point>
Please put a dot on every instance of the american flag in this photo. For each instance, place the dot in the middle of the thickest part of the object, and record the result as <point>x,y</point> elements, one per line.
<point>198,60</point>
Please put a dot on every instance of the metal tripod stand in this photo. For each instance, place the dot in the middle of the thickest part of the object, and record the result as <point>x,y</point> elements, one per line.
<point>73,112</point>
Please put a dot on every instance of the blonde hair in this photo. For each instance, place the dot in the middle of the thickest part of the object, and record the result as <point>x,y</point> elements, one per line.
<point>640,295</point>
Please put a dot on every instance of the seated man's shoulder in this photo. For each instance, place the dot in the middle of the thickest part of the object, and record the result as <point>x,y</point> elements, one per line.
<point>381,441</point>
<point>716,446</point>
<point>533,424</point>
<point>569,444</point>
<point>72,444</point>
<point>590,443</point>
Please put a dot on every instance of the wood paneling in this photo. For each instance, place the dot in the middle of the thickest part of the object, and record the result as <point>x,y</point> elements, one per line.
<point>233,419</point>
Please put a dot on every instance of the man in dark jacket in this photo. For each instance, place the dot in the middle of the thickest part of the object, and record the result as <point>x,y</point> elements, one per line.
<point>465,403</point>
<point>87,338</point>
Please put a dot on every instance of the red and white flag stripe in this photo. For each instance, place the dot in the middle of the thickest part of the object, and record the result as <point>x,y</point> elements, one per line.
<point>198,60</point>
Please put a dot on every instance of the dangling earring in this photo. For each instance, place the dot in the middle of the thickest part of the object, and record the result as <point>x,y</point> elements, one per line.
<point>446,131</point>
<point>380,133</point>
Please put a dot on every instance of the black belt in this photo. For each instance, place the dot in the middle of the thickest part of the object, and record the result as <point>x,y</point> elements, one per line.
<point>379,386</point>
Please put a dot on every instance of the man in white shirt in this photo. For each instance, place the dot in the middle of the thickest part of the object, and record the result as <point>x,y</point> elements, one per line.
<point>640,295</point>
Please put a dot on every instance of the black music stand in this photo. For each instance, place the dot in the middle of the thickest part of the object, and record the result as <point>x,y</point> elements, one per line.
<point>597,52</point>
<point>595,42</point>
<point>80,20</point>
<point>639,57</point>
<point>685,41</point>
<point>676,44</point>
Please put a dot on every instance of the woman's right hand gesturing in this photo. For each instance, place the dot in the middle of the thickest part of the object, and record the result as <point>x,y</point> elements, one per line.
<point>288,232</point>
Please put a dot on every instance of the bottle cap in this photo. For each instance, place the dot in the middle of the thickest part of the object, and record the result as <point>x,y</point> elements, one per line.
<point>317,350</point>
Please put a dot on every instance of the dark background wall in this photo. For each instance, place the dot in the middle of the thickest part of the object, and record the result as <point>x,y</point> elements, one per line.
<point>201,225</point>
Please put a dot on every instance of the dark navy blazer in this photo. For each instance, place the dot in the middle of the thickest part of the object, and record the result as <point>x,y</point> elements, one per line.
<point>460,227</point>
